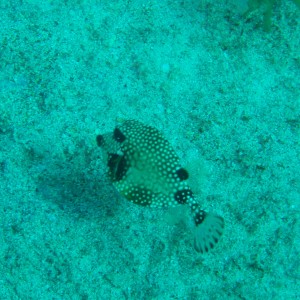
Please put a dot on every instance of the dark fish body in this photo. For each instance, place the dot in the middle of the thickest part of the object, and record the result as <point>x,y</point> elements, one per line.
<point>145,169</point>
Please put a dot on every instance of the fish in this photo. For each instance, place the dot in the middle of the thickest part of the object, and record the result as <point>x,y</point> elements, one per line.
<point>144,168</point>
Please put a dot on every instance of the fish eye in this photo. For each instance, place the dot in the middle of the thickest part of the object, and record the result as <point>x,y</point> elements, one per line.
<point>119,136</point>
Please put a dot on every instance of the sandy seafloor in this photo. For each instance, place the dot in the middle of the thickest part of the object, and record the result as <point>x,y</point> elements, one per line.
<point>223,91</point>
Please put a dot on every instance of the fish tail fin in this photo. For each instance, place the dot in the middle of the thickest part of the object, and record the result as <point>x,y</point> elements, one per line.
<point>209,228</point>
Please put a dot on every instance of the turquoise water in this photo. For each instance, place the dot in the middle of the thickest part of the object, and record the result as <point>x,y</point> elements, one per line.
<point>222,90</point>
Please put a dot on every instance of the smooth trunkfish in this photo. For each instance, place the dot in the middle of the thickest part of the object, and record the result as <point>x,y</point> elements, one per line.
<point>144,168</point>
